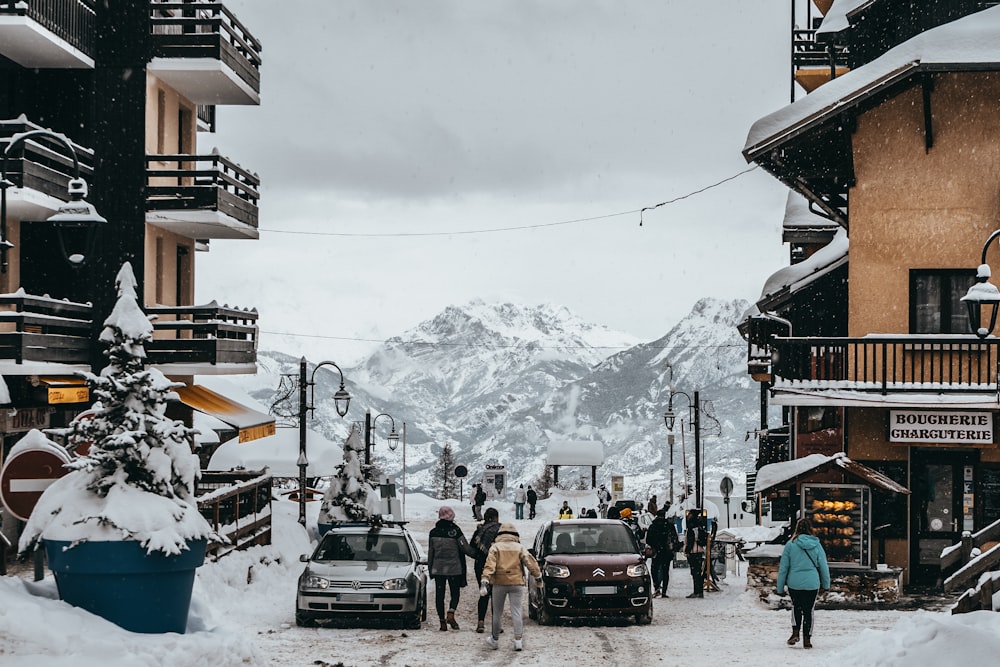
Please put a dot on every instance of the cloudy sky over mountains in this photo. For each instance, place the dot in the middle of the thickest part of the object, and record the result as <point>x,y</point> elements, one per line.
<point>394,138</point>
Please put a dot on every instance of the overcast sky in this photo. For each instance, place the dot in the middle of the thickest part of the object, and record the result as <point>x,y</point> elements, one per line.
<point>390,130</point>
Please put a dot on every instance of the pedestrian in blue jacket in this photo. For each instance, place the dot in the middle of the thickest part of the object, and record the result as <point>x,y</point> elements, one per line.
<point>804,571</point>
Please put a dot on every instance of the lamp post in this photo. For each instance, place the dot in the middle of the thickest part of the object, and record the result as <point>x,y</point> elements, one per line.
<point>72,217</point>
<point>983,293</point>
<point>393,437</point>
<point>341,401</point>
<point>669,418</point>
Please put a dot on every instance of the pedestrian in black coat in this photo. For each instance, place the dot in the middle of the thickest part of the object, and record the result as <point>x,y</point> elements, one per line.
<point>446,552</point>
<point>661,536</point>
<point>532,499</point>
<point>481,542</point>
<point>695,541</point>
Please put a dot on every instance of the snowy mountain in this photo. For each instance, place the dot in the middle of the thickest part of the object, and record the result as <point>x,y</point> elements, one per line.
<point>502,381</point>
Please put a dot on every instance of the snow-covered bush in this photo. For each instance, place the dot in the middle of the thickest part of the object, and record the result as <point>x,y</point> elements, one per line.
<point>138,479</point>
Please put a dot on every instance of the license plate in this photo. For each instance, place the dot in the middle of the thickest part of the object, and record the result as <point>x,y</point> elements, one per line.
<point>355,597</point>
<point>599,590</point>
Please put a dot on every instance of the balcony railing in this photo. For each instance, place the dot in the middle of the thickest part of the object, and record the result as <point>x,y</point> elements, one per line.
<point>36,165</point>
<point>807,52</point>
<point>238,506</point>
<point>209,334</point>
<point>916,363</point>
<point>70,20</point>
<point>38,329</point>
<point>202,182</point>
<point>205,30</point>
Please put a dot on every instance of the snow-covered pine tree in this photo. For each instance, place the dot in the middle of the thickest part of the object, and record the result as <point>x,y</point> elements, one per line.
<point>137,481</point>
<point>544,482</point>
<point>444,473</point>
<point>349,497</point>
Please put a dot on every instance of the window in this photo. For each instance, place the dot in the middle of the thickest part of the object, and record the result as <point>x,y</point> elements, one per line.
<point>935,300</point>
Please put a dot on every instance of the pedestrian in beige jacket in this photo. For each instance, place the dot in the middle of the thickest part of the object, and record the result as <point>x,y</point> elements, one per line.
<point>504,569</point>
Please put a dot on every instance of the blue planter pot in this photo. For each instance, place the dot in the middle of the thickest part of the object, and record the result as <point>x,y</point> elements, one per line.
<point>118,581</point>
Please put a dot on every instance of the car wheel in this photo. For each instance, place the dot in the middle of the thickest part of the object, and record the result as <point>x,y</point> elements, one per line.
<point>545,617</point>
<point>532,613</point>
<point>413,620</point>
<point>303,620</point>
<point>643,619</point>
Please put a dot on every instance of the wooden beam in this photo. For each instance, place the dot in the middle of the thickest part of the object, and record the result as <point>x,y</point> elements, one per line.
<point>927,86</point>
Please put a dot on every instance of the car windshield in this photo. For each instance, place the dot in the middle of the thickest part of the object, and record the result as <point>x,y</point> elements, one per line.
<point>363,546</point>
<point>591,539</point>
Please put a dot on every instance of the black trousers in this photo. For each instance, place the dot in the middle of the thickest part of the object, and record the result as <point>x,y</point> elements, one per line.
<point>661,570</point>
<point>697,563</point>
<point>453,583</point>
<point>484,600</point>
<point>803,602</point>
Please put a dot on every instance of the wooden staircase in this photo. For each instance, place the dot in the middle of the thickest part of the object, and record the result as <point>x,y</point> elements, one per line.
<point>978,554</point>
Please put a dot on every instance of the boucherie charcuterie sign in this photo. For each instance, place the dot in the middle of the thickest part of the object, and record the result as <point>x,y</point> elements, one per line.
<point>969,428</point>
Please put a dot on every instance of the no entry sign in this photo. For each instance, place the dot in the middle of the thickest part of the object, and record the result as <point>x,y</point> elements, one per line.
<point>26,474</point>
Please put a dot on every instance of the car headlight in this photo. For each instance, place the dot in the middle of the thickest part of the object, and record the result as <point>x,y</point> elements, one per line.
<point>394,584</point>
<point>637,570</point>
<point>555,570</point>
<point>312,581</point>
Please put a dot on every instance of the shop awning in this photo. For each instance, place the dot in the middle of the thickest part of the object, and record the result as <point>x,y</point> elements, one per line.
<point>787,473</point>
<point>65,389</point>
<point>250,423</point>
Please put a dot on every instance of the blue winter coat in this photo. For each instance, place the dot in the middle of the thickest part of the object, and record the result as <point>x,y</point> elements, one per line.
<point>803,565</point>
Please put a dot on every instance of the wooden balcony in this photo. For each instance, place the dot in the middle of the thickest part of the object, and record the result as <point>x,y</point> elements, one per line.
<point>203,51</point>
<point>41,166</point>
<point>203,340</point>
<point>237,504</point>
<point>40,335</point>
<point>814,62</point>
<point>884,364</point>
<point>202,196</point>
<point>48,34</point>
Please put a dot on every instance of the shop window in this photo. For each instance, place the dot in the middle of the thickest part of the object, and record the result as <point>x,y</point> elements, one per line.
<point>889,509</point>
<point>935,300</point>
<point>818,418</point>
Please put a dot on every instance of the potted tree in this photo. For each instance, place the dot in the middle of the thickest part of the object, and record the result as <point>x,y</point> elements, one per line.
<point>122,530</point>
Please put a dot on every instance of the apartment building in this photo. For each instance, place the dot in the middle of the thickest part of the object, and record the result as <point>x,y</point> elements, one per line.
<point>117,94</point>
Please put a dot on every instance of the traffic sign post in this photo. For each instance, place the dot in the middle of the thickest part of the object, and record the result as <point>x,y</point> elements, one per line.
<point>26,474</point>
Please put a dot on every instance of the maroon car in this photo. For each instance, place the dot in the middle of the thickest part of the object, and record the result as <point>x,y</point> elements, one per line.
<point>590,568</point>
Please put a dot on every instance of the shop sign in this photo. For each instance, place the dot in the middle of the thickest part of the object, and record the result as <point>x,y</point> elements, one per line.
<point>924,426</point>
<point>24,419</point>
<point>73,394</point>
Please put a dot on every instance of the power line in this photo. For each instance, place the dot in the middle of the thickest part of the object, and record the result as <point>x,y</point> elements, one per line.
<point>493,345</point>
<point>493,230</point>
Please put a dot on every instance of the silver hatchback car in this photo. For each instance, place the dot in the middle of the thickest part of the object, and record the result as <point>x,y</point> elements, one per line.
<point>363,572</point>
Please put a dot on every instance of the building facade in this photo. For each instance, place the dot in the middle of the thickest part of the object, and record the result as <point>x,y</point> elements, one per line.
<point>118,94</point>
<point>864,340</point>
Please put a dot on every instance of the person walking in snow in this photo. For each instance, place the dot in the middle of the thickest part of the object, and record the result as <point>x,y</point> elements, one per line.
<point>565,512</point>
<point>695,541</point>
<point>478,500</point>
<point>520,497</point>
<point>603,499</point>
<point>481,542</point>
<point>532,497</point>
<point>804,570</point>
<point>651,506</point>
<point>504,571</point>
<point>446,552</point>
<point>662,537</point>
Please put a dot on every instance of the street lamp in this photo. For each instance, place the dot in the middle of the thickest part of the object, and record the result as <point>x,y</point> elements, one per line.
<point>983,293</point>
<point>393,437</point>
<point>669,418</point>
<point>341,401</point>
<point>76,221</point>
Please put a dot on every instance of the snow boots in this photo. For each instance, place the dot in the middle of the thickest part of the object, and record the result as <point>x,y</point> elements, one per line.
<point>807,642</point>
<point>444,625</point>
<point>794,639</point>
<point>451,619</point>
<point>480,627</point>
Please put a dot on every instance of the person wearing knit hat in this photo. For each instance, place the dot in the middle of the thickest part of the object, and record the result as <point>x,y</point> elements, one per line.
<point>504,571</point>
<point>446,552</point>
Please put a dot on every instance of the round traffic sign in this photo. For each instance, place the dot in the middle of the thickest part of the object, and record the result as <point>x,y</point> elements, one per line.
<point>26,475</point>
<point>461,471</point>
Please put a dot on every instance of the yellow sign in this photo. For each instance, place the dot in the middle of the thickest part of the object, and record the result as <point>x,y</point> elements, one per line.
<point>255,432</point>
<point>68,395</point>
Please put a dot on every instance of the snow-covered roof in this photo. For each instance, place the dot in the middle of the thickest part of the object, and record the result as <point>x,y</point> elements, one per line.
<point>791,279</point>
<point>575,453</point>
<point>787,473</point>
<point>279,453</point>
<point>835,19</point>
<point>799,217</point>
<point>972,40</point>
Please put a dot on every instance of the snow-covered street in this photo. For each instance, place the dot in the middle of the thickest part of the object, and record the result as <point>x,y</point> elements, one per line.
<point>243,614</point>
